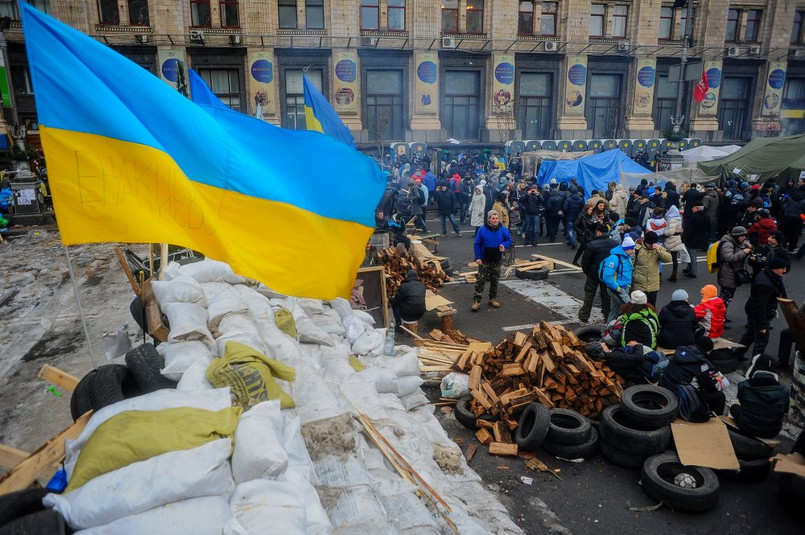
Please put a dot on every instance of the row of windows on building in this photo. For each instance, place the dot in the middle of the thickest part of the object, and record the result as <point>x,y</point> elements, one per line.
<point>535,18</point>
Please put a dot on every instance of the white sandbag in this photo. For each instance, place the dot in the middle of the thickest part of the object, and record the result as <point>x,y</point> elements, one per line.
<point>412,401</point>
<point>215,400</point>
<point>209,270</point>
<point>403,364</point>
<point>224,302</point>
<point>299,461</point>
<point>265,506</point>
<point>212,289</point>
<point>202,471</point>
<point>409,513</point>
<point>370,343</point>
<point>171,271</point>
<point>310,306</point>
<point>342,306</point>
<point>238,328</point>
<point>328,321</point>
<point>195,378</point>
<point>307,331</point>
<point>187,321</point>
<point>356,506</point>
<point>197,516</point>
<point>408,385</point>
<point>179,356</point>
<point>316,520</point>
<point>384,379</point>
<point>363,316</point>
<point>179,290</point>
<point>353,328</point>
<point>258,452</point>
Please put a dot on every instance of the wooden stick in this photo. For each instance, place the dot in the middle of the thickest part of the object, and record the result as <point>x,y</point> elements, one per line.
<point>11,457</point>
<point>125,265</point>
<point>150,260</point>
<point>415,335</point>
<point>560,262</point>
<point>163,259</point>
<point>50,453</point>
<point>58,377</point>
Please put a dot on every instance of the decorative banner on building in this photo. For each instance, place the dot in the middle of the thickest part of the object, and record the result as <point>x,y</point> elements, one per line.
<point>503,84</point>
<point>262,103</point>
<point>173,68</point>
<point>774,88</point>
<point>5,93</point>
<point>645,80</point>
<point>709,106</point>
<point>576,85</point>
<point>426,96</point>
<point>345,75</point>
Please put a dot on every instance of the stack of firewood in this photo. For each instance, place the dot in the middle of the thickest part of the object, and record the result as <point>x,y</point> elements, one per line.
<point>397,263</point>
<point>548,366</point>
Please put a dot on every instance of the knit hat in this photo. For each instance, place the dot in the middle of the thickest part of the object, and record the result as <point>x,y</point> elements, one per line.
<point>679,295</point>
<point>651,237</point>
<point>482,183</point>
<point>490,213</point>
<point>709,292</point>
<point>628,243</point>
<point>778,263</point>
<point>778,235</point>
<point>638,298</point>
<point>738,231</point>
<point>553,181</point>
<point>705,343</point>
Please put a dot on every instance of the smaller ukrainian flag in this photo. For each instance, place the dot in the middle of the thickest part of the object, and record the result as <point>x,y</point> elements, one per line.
<point>321,117</point>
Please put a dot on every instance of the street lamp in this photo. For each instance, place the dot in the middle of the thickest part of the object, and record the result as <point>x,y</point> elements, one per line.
<point>677,119</point>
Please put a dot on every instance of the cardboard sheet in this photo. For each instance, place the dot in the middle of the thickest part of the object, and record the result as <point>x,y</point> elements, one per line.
<point>704,444</point>
<point>433,301</point>
<point>793,463</point>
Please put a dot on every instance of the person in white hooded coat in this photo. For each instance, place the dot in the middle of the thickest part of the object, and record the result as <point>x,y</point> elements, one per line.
<point>673,238</point>
<point>477,208</point>
<point>618,202</point>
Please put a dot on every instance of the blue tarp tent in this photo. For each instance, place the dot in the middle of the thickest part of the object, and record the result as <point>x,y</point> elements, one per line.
<point>591,172</point>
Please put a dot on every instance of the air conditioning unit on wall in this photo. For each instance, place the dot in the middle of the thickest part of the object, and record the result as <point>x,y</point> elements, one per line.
<point>551,46</point>
<point>754,50</point>
<point>368,41</point>
<point>448,42</point>
<point>732,51</point>
<point>623,47</point>
<point>196,35</point>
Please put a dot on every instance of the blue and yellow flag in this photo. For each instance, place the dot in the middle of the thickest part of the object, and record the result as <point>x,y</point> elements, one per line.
<point>321,117</point>
<point>130,159</point>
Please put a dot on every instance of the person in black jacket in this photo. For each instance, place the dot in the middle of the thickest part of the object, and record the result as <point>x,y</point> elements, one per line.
<point>763,404</point>
<point>595,252</point>
<point>446,203</point>
<point>671,195</point>
<point>677,322</point>
<point>695,234</point>
<point>532,207</point>
<point>409,302</point>
<point>762,305</point>
<point>689,365</point>
<point>635,362</point>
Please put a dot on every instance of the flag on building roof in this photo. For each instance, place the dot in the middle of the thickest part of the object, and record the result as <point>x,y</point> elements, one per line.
<point>132,160</point>
<point>321,117</point>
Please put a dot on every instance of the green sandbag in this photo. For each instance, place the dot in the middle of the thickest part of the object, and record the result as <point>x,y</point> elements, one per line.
<point>133,436</point>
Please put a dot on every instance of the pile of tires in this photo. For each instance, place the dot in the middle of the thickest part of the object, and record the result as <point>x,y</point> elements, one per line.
<point>570,435</point>
<point>111,383</point>
<point>22,513</point>
<point>682,488</point>
<point>639,427</point>
<point>753,458</point>
<point>589,333</point>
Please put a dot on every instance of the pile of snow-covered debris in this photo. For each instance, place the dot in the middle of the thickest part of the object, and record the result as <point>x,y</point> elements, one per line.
<point>307,469</point>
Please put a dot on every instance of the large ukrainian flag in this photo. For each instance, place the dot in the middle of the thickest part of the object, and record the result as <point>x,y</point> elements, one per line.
<point>321,117</point>
<point>130,159</point>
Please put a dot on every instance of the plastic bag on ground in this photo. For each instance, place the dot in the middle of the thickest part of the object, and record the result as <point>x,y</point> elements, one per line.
<point>202,471</point>
<point>179,356</point>
<point>197,516</point>
<point>258,450</point>
<point>455,385</point>
<point>188,321</point>
<point>265,506</point>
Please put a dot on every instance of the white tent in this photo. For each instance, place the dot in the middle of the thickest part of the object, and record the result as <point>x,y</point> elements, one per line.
<point>684,174</point>
<point>705,153</point>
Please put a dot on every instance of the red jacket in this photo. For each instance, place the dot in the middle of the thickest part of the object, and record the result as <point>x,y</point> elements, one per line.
<point>711,315</point>
<point>763,227</point>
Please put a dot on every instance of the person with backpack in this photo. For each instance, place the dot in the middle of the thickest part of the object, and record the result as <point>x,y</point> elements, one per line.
<point>711,312</point>
<point>616,273</point>
<point>596,251</point>
<point>647,258</point>
<point>677,322</point>
<point>689,373</point>
<point>761,307</point>
<point>635,363</point>
<point>639,321</point>
<point>731,254</point>
<point>695,229</point>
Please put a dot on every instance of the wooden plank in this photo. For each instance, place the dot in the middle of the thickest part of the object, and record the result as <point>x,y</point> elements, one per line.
<point>499,448</point>
<point>153,314</point>
<point>548,363</point>
<point>544,399</point>
<point>520,339</point>
<point>475,377</point>
<point>534,360</point>
<point>499,431</point>
<point>471,449</point>
<point>11,457</point>
<point>49,454</point>
<point>484,424</point>
<point>58,377</point>
<point>125,265</point>
<point>523,352</point>
<point>483,436</point>
<point>512,370</point>
<point>480,396</point>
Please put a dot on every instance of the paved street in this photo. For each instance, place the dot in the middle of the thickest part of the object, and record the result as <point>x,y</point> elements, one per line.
<point>595,496</point>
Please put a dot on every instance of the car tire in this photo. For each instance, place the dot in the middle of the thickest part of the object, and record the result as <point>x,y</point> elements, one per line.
<point>110,384</point>
<point>589,333</point>
<point>531,274</point>
<point>47,522</point>
<point>145,363</point>
<point>617,431</point>
<point>465,416</point>
<point>80,401</point>
<point>573,451</point>
<point>724,360</point>
<point>620,458</point>
<point>649,407</point>
<point>657,479</point>
<point>21,503</point>
<point>568,428</point>
<point>532,427</point>
<point>755,471</point>
<point>748,448</point>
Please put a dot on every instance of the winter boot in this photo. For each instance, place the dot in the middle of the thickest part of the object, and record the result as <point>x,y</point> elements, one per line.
<point>672,278</point>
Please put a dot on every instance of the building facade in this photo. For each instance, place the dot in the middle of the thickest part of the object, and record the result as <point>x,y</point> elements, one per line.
<point>481,71</point>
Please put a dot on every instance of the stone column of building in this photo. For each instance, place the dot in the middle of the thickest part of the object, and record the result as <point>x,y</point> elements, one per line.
<point>425,24</point>
<point>572,86</point>
<point>501,123</point>
<point>262,87</point>
<point>345,94</point>
<point>711,23</point>
<point>644,18</point>
<point>170,20</point>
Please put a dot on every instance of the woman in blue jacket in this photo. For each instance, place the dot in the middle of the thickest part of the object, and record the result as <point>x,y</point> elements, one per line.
<point>490,242</point>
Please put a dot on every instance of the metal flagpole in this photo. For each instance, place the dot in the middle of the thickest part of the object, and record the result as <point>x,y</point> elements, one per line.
<point>80,311</point>
<point>678,118</point>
